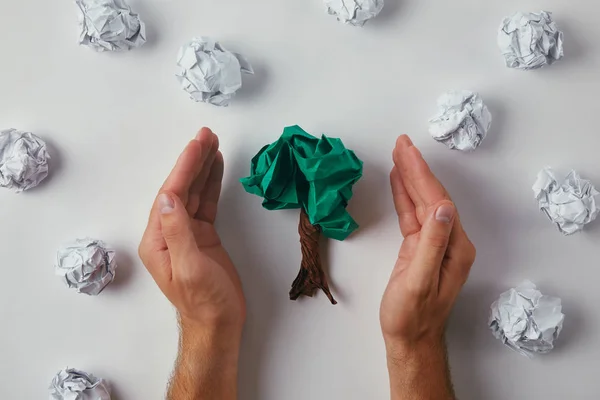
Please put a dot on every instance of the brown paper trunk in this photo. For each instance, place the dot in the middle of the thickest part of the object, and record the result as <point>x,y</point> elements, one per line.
<point>311,276</point>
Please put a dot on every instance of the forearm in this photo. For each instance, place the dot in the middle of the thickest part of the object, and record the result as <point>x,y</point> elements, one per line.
<point>207,365</point>
<point>419,372</point>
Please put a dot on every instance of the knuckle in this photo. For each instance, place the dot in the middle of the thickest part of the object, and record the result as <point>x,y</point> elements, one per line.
<point>472,254</point>
<point>438,241</point>
<point>464,251</point>
<point>171,233</point>
<point>419,294</point>
<point>418,290</point>
<point>469,254</point>
<point>143,251</point>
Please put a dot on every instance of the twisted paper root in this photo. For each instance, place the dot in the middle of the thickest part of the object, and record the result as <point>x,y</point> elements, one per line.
<point>311,276</point>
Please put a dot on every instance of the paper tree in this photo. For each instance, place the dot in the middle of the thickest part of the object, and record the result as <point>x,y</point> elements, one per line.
<point>315,175</point>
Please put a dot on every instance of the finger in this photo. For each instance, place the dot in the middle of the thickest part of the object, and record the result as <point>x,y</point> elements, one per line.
<point>189,165</point>
<point>179,180</point>
<point>197,187</point>
<point>176,228</point>
<point>402,144</point>
<point>407,159</point>
<point>207,211</point>
<point>433,243</point>
<point>405,208</point>
<point>424,182</point>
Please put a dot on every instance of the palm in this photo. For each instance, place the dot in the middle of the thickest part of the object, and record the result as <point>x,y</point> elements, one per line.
<point>209,246</point>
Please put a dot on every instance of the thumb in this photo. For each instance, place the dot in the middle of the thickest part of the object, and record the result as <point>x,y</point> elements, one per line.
<point>433,243</point>
<point>175,225</point>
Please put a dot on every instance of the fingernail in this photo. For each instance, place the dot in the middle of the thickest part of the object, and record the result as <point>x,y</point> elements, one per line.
<point>444,213</point>
<point>165,203</point>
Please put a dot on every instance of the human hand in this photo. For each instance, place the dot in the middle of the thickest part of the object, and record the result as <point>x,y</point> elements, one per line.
<point>434,260</point>
<point>182,250</point>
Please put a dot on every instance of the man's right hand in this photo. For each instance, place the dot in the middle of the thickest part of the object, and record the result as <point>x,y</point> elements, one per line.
<point>433,264</point>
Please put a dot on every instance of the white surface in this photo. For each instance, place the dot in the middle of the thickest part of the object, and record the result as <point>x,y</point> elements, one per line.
<point>117,122</point>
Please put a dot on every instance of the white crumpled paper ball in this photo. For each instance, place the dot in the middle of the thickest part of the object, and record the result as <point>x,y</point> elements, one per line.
<point>209,72</point>
<point>526,320</point>
<point>23,160</point>
<point>354,12</point>
<point>530,40</point>
<point>570,203</point>
<point>463,120</point>
<point>109,25</point>
<point>86,265</point>
<point>73,384</point>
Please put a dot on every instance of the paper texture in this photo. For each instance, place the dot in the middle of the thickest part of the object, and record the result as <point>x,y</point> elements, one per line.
<point>354,12</point>
<point>527,321</point>
<point>300,170</point>
<point>73,384</point>
<point>23,160</point>
<point>463,120</point>
<point>86,265</point>
<point>210,73</point>
<point>570,203</point>
<point>109,25</point>
<point>530,40</point>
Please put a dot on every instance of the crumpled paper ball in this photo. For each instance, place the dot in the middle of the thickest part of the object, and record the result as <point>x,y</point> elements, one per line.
<point>87,265</point>
<point>354,12</point>
<point>530,40</point>
<point>463,120</point>
<point>570,203</point>
<point>526,320</point>
<point>209,72</point>
<point>23,160</point>
<point>109,25</point>
<point>73,384</point>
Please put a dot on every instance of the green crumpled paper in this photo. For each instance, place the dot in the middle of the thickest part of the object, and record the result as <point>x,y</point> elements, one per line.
<point>299,170</point>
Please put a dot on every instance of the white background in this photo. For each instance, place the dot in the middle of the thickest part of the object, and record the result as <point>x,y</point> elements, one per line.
<point>115,124</point>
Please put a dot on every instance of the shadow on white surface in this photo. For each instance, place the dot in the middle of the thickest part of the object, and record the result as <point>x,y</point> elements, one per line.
<point>56,163</point>
<point>390,13</point>
<point>497,131</point>
<point>245,248</point>
<point>150,17</point>
<point>467,332</point>
<point>485,215</point>
<point>254,86</point>
<point>115,394</point>
<point>575,51</point>
<point>125,269</point>
<point>367,206</point>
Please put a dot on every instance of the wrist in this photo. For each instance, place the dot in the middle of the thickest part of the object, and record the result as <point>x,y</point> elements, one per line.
<point>406,353</point>
<point>216,342</point>
<point>207,362</point>
<point>419,370</point>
